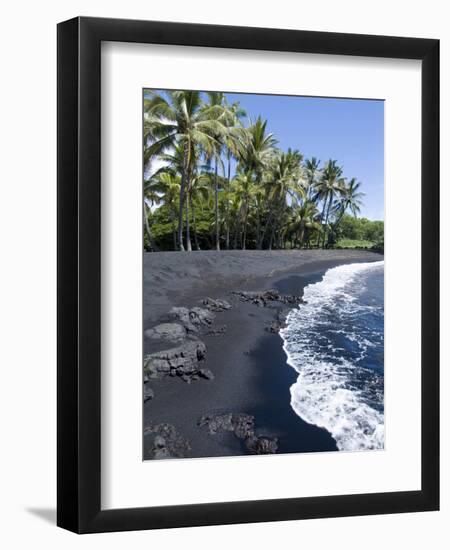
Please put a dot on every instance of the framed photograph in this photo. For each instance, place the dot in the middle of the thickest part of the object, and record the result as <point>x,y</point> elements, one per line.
<point>241,336</point>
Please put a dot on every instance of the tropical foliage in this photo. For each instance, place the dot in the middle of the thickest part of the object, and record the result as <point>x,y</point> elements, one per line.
<point>214,179</point>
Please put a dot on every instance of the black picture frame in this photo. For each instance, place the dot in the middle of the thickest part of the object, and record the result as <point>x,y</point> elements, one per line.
<point>79,281</point>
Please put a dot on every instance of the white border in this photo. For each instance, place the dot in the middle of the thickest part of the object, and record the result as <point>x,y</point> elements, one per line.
<point>127,481</point>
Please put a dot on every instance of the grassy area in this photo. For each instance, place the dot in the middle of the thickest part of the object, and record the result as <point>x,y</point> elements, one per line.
<point>354,243</point>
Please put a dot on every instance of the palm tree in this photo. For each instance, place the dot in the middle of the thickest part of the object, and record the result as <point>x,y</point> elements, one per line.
<point>230,141</point>
<point>282,180</point>
<point>234,141</point>
<point>272,198</point>
<point>302,220</point>
<point>245,191</point>
<point>329,185</point>
<point>259,148</point>
<point>312,173</point>
<point>179,117</point>
<point>197,194</point>
<point>173,162</point>
<point>256,155</point>
<point>217,102</point>
<point>350,199</point>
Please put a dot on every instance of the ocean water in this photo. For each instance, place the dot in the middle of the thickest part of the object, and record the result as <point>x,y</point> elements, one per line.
<point>335,342</point>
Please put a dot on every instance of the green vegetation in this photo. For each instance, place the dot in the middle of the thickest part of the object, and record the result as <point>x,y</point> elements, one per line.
<point>213,182</point>
<point>354,243</point>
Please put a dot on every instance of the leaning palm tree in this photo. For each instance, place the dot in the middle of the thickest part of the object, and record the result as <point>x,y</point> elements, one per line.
<point>328,187</point>
<point>179,118</point>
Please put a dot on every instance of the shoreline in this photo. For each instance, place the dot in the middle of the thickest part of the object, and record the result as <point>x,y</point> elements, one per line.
<point>251,373</point>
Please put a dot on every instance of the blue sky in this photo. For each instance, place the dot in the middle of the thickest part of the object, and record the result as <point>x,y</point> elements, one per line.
<point>350,131</point>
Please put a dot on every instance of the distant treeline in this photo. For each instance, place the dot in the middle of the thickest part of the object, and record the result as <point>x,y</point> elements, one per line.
<point>213,181</point>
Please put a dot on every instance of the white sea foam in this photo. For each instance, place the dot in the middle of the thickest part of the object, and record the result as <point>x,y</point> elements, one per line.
<point>334,389</point>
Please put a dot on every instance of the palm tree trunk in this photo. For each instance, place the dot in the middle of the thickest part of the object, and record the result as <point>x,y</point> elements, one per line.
<point>278,212</point>
<point>216,205</point>
<point>180,217</point>
<point>244,235</point>
<point>182,198</point>
<point>272,233</point>
<point>236,229</point>
<point>326,220</point>
<point>227,215</point>
<point>194,226</point>
<point>321,219</point>
<point>258,225</point>
<point>188,234</point>
<point>302,236</point>
<point>151,241</point>
<point>338,221</point>
<point>174,231</point>
<point>174,235</point>
<point>266,227</point>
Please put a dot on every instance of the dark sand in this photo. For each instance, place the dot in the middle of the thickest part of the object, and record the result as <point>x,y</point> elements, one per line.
<point>248,362</point>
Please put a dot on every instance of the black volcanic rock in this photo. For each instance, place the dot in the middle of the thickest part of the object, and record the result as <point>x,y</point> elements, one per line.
<point>262,445</point>
<point>216,305</point>
<point>164,441</point>
<point>264,298</point>
<point>184,361</point>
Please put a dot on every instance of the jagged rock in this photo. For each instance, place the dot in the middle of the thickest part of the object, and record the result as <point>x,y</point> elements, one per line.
<point>261,445</point>
<point>184,361</point>
<point>219,331</point>
<point>181,314</point>
<point>242,425</point>
<point>192,319</point>
<point>191,352</point>
<point>165,443</point>
<point>200,317</point>
<point>216,305</point>
<point>148,393</point>
<point>263,298</point>
<point>173,332</point>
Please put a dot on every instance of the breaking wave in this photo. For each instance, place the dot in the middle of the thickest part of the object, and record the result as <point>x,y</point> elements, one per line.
<point>335,342</point>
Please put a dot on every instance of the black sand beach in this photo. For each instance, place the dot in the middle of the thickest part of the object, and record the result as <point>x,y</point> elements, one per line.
<point>251,375</point>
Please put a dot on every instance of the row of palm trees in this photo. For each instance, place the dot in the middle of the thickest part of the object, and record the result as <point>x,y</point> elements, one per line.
<point>201,157</point>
